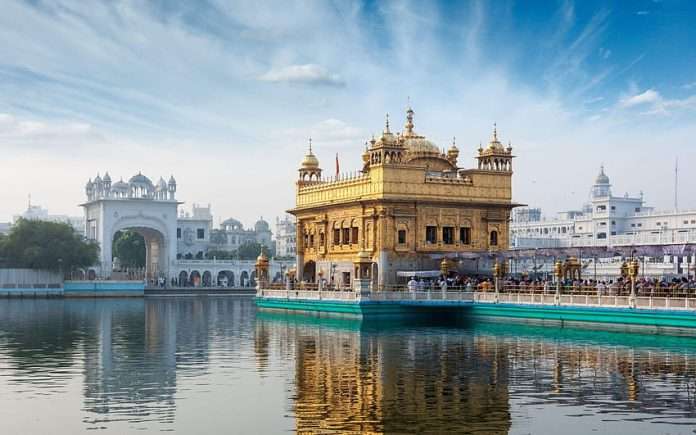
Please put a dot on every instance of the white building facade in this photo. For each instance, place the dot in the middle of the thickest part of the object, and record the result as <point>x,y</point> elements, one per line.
<point>285,237</point>
<point>36,212</point>
<point>610,221</point>
<point>141,206</point>
<point>177,243</point>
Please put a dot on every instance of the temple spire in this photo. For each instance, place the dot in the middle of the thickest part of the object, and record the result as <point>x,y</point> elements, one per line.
<point>409,119</point>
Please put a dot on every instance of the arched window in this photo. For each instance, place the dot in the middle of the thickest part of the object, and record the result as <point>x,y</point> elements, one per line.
<point>494,238</point>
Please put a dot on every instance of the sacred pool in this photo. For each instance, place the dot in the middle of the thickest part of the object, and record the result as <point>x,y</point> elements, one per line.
<point>210,365</point>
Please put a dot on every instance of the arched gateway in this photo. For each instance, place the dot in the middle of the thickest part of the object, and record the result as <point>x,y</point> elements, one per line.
<point>138,205</point>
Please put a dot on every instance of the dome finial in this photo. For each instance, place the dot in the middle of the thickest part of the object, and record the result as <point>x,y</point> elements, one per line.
<point>310,145</point>
<point>495,132</point>
<point>409,119</point>
<point>386,124</point>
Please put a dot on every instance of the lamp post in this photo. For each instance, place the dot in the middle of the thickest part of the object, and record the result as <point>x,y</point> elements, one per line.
<point>496,280</point>
<point>558,271</point>
<point>633,268</point>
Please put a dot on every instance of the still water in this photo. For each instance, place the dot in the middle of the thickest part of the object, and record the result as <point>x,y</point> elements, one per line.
<point>215,365</point>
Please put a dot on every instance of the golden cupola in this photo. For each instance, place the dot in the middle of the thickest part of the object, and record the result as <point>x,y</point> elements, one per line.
<point>453,152</point>
<point>309,168</point>
<point>495,157</point>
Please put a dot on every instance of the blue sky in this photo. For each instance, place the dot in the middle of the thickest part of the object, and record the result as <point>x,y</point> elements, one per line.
<point>224,94</point>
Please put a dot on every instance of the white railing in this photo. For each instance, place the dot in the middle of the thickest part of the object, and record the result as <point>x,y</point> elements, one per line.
<point>551,299</point>
<point>349,295</point>
<point>586,300</point>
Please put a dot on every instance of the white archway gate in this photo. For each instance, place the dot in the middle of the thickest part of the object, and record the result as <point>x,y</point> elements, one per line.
<point>149,210</point>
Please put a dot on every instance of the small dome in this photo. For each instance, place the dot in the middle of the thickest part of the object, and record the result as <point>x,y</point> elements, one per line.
<point>107,178</point>
<point>161,184</point>
<point>89,184</point>
<point>172,181</point>
<point>120,186</point>
<point>232,222</point>
<point>261,226</point>
<point>262,259</point>
<point>495,144</point>
<point>310,161</point>
<point>97,180</point>
<point>602,177</point>
<point>140,179</point>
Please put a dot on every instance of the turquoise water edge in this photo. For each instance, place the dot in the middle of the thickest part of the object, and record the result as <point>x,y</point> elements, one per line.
<point>660,321</point>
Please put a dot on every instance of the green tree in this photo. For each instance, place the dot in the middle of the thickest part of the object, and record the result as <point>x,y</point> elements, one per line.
<point>55,246</point>
<point>129,247</point>
<point>249,251</point>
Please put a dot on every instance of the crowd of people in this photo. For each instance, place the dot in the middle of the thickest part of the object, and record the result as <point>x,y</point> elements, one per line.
<point>645,286</point>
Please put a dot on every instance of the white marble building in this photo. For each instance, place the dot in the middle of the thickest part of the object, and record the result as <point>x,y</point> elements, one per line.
<point>177,242</point>
<point>610,221</point>
<point>232,234</point>
<point>138,205</point>
<point>193,232</point>
<point>36,212</point>
<point>286,236</point>
<point>606,220</point>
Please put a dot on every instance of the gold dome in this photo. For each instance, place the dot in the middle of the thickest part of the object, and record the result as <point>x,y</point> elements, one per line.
<point>419,144</point>
<point>310,161</point>
<point>495,144</point>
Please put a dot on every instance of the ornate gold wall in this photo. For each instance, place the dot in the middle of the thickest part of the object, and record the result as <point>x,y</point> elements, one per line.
<point>409,207</point>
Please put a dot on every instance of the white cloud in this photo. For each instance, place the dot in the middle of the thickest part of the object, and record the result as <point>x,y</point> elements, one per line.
<point>310,73</point>
<point>18,132</point>
<point>656,103</point>
<point>650,96</point>
<point>172,97</point>
<point>689,86</point>
<point>642,12</point>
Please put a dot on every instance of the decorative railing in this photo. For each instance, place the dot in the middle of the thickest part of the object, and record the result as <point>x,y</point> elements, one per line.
<point>584,297</point>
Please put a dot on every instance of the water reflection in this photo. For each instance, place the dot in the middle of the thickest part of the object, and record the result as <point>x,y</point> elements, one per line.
<point>406,378</point>
<point>211,365</point>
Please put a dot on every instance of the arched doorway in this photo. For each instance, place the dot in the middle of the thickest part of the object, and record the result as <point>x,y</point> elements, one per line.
<point>278,277</point>
<point>225,278</point>
<point>195,278</point>
<point>244,279</point>
<point>138,253</point>
<point>207,279</point>
<point>252,280</point>
<point>309,272</point>
<point>183,278</point>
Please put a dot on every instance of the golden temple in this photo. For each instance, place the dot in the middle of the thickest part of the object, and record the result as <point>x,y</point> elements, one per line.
<point>410,208</point>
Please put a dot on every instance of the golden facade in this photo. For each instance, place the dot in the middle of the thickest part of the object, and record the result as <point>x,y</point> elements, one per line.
<point>409,207</point>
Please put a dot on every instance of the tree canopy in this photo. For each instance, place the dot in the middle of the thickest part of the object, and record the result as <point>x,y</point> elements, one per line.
<point>129,247</point>
<point>36,244</point>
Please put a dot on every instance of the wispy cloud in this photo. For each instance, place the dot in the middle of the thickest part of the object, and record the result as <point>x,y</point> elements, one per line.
<point>151,85</point>
<point>19,133</point>
<point>656,103</point>
<point>649,96</point>
<point>311,74</point>
<point>643,13</point>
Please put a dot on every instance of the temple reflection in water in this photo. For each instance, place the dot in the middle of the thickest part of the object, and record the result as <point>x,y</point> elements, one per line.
<point>143,363</point>
<point>355,378</point>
